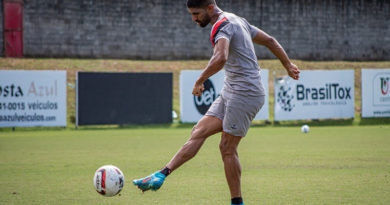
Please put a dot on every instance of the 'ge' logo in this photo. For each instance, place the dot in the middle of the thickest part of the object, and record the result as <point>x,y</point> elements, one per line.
<point>203,102</point>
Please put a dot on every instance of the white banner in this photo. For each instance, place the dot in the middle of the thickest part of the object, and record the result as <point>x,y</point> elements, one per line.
<point>375,92</point>
<point>316,95</point>
<point>32,98</point>
<point>193,108</point>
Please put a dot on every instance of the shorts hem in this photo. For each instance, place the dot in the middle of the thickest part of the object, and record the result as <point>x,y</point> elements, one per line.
<point>214,115</point>
<point>232,133</point>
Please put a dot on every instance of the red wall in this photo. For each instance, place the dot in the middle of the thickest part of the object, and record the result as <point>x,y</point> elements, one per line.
<point>13,28</point>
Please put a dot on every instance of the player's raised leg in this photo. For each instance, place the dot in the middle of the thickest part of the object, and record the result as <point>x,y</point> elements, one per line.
<point>206,127</point>
<point>228,147</point>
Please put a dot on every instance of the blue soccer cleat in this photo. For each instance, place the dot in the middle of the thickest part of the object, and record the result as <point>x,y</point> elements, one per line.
<point>152,182</point>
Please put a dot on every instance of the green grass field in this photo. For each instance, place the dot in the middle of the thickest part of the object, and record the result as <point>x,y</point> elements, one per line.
<point>281,165</point>
<point>344,161</point>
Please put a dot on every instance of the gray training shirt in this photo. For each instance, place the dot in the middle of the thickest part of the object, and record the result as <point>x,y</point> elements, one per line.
<point>242,75</point>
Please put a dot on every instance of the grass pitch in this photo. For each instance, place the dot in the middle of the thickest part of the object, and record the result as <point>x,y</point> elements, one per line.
<point>281,165</point>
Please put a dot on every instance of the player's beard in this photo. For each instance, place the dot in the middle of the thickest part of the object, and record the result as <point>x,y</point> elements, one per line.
<point>204,22</point>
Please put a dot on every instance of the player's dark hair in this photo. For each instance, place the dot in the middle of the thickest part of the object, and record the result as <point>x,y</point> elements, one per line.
<point>199,3</point>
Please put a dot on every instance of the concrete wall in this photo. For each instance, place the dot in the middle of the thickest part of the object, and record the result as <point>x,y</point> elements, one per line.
<point>162,29</point>
<point>323,29</point>
<point>138,29</point>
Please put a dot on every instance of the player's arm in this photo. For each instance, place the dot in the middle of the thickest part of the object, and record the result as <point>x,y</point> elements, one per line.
<point>273,45</point>
<point>216,63</point>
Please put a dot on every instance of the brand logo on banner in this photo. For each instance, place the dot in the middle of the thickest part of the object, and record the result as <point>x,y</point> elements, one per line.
<point>11,91</point>
<point>381,95</point>
<point>384,85</point>
<point>207,98</point>
<point>329,91</point>
<point>318,94</point>
<point>285,97</point>
<point>375,93</point>
<point>192,108</point>
<point>32,98</point>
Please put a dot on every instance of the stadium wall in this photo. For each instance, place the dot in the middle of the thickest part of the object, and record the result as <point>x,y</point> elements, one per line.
<point>161,29</point>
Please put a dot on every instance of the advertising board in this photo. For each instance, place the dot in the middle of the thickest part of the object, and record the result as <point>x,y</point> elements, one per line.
<point>32,98</point>
<point>375,93</point>
<point>317,94</point>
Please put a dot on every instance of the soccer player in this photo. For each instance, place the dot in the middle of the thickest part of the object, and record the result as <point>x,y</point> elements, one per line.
<point>241,97</point>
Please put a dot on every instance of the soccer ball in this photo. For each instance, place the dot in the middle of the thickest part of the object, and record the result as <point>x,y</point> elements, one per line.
<point>305,128</point>
<point>108,180</point>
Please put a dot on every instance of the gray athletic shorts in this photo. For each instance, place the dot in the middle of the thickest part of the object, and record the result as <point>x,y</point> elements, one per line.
<point>236,112</point>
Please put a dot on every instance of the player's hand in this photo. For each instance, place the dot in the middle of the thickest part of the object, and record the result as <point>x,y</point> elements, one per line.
<point>293,71</point>
<point>198,89</point>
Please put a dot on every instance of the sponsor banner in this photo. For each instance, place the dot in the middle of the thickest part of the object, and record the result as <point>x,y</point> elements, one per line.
<point>316,95</point>
<point>192,108</point>
<point>375,92</point>
<point>32,98</point>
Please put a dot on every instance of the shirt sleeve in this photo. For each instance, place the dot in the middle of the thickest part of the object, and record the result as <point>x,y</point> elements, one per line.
<point>252,29</point>
<point>226,32</point>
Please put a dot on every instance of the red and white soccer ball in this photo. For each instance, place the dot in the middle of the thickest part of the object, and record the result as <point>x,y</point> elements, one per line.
<point>108,180</point>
